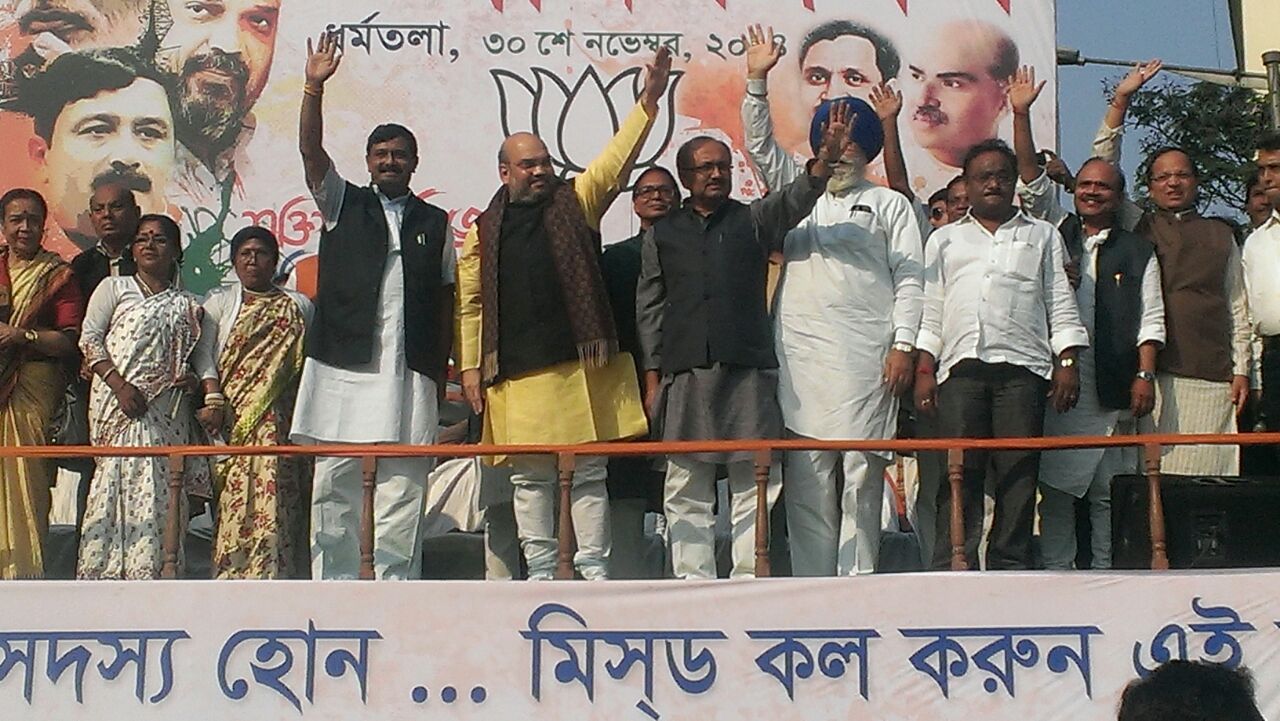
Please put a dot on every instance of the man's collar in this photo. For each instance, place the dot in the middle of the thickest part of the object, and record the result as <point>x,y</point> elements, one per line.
<point>1272,220</point>
<point>1019,217</point>
<point>386,200</point>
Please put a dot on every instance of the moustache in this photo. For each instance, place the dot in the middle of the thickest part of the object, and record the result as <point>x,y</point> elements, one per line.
<point>932,113</point>
<point>131,179</point>
<point>218,61</point>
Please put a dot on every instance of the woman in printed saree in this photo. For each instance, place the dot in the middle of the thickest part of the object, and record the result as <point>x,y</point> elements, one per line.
<point>262,500</point>
<point>143,339</point>
<point>40,313</point>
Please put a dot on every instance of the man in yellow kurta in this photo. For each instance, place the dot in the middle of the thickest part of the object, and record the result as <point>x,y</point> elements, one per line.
<point>539,347</point>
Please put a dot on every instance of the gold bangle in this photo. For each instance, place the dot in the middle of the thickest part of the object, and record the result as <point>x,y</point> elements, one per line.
<point>309,89</point>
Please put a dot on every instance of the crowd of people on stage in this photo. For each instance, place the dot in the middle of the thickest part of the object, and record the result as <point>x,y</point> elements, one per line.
<point>985,310</point>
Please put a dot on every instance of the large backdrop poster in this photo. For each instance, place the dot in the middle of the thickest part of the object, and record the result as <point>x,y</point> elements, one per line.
<point>195,102</point>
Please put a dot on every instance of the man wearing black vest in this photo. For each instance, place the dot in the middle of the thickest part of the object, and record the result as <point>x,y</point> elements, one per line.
<point>1122,307</point>
<point>710,368</point>
<point>379,346</point>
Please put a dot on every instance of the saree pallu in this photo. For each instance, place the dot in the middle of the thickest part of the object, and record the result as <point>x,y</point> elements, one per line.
<point>123,532</point>
<point>262,510</point>
<point>30,391</point>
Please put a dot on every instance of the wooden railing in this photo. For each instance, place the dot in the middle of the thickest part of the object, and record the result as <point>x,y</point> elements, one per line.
<point>566,456</point>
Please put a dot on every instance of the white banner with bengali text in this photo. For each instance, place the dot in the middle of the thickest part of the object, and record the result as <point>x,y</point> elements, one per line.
<point>1011,646</point>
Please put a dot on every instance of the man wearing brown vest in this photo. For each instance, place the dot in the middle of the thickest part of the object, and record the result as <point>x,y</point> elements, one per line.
<point>1203,378</point>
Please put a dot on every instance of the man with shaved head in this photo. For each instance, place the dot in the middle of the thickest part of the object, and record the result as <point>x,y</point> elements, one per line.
<point>540,355</point>
<point>379,345</point>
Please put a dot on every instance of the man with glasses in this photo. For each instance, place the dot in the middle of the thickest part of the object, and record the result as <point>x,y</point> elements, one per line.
<point>635,484</point>
<point>1203,378</point>
<point>999,338</point>
<point>710,368</point>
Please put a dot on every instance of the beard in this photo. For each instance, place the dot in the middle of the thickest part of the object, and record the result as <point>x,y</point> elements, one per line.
<point>211,113</point>
<point>845,176</point>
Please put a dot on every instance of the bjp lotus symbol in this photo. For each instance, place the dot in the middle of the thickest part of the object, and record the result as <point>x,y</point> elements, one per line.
<point>577,121</point>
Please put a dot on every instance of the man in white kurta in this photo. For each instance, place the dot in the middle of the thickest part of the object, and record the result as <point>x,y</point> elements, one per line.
<point>1067,475</point>
<point>381,402</point>
<point>850,299</point>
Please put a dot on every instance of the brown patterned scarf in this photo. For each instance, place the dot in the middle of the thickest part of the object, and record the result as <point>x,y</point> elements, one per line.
<point>574,250</point>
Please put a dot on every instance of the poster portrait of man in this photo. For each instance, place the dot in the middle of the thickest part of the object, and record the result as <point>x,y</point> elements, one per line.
<point>98,116</point>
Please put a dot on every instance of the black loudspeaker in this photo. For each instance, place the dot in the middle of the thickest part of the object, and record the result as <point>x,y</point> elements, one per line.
<point>1210,522</point>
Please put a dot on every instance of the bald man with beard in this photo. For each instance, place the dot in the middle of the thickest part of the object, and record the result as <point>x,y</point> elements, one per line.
<point>540,353</point>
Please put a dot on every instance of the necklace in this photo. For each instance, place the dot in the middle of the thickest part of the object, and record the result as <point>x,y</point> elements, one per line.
<point>147,290</point>
<point>259,293</point>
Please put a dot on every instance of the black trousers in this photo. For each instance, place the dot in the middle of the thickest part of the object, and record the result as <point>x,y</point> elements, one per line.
<point>992,400</point>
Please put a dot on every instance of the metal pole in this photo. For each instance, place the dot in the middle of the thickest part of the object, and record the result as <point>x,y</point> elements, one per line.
<point>1271,59</point>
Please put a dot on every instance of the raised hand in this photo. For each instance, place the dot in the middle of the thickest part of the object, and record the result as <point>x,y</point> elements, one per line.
<point>657,76</point>
<point>763,52</point>
<point>1141,73</point>
<point>886,101</point>
<point>323,58</point>
<point>1023,89</point>
<point>836,138</point>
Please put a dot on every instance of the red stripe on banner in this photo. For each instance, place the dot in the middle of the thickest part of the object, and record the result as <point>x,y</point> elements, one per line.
<point>1004,4</point>
<point>537,4</point>
<point>903,4</point>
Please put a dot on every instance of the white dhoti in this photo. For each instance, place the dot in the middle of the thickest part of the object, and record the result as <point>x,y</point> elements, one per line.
<point>382,401</point>
<point>1191,405</point>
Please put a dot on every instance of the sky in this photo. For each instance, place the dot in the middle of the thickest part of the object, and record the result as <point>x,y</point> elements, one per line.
<point>1184,32</point>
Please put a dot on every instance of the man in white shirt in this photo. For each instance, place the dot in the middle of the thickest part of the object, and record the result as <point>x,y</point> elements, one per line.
<point>845,321</point>
<point>1262,278</point>
<point>1122,307</point>
<point>379,345</point>
<point>1000,328</point>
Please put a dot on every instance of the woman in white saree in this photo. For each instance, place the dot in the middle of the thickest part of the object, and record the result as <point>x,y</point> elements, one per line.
<point>143,340</point>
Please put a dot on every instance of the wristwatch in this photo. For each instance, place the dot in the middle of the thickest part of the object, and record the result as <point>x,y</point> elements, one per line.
<point>31,336</point>
<point>1147,376</point>
<point>1066,362</point>
<point>904,347</point>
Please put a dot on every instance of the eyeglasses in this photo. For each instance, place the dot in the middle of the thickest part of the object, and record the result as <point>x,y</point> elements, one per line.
<point>1166,177</point>
<point>664,191</point>
<point>706,168</point>
<point>1003,177</point>
<point>937,213</point>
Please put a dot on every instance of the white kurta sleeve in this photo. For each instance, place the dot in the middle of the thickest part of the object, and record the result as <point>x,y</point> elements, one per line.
<point>1241,328</point>
<point>930,336</point>
<point>204,362</point>
<point>1039,199</point>
<point>1151,327</point>
<point>329,196</point>
<point>1065,329</point>
<point>906,263</point>
<point>775,164</point>
<point>97,321</point>
<point>1108,142</point>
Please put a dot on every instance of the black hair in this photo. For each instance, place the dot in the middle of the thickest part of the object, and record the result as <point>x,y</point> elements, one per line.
<point>171,230</point>
<point>954,182</point>
<point>23,194</point>
<point>684,156</point>
<point>656,169</point>
<point>991,145</point>
<point>1270,141</point>
<point>255,232</point>
<point>1108,163</point>
<point>1162,151</point>
<point>1191,691</point>
<point>887,59</point>
<point>391,131</point>
<point>81,75</point>
<point>939,196</point>
<point>1005,61</point>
